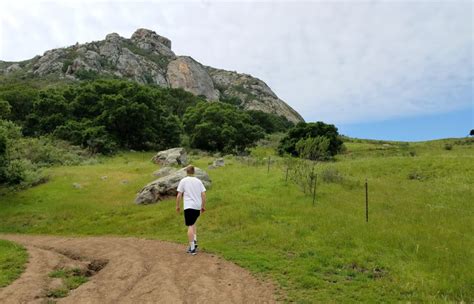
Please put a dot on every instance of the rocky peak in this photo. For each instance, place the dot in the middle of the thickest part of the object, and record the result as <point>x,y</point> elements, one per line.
<point>147,58</point>
<point>113,37</point>
<point>149,37</point>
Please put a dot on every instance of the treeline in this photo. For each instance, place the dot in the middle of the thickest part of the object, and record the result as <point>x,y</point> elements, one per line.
<point>106,115</point>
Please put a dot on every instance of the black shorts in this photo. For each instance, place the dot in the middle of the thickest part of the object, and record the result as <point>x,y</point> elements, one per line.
<point>190,216</point>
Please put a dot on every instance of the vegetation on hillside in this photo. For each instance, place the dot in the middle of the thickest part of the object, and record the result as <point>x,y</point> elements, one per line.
<point>107,115</point>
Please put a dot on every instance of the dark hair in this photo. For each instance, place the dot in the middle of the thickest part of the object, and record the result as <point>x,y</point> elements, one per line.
<point>190,169</point>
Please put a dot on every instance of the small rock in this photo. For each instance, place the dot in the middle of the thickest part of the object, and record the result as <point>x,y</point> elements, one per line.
<point>124,182</point>
<point>77,185</point>
<point>219,162</point>
<point>104,177</point>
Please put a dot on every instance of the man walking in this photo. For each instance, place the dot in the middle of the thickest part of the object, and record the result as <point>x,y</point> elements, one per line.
<point>193,192</point>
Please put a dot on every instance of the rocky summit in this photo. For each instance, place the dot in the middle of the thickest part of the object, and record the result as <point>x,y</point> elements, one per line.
<point>148,58</point>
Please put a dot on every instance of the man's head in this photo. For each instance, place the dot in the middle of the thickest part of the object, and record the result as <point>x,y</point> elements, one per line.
<point>190,170</point>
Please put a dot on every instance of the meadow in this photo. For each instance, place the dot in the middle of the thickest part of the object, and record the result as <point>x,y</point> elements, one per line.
<point>417,246</point>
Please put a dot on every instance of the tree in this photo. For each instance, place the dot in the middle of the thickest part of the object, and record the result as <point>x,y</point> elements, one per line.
<point>471,133</point>
<point>5,109</point>
<point>313,148</point>
<point>310,130</point>
<point>271,123</point>
<point>216,126</point>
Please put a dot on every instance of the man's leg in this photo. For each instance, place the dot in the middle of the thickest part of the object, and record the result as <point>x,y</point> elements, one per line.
<point>191,236</point>
<point>195,233</point>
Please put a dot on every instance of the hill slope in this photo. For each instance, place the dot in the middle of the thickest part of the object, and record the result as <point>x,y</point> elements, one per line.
<point>147,58</point>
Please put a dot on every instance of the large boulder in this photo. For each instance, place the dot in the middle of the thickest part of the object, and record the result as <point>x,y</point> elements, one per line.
<point>174,156</point>
<point>166,186</point>
<point>164,171</point>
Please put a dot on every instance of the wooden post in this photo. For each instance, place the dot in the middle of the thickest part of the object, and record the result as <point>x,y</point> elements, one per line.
<point>268,168</point>
<point>314,188</point>
<point>286,176</point>
<point>366,201</point>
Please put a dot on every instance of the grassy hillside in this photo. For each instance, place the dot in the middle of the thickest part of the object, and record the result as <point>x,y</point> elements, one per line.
<point>417,246</point>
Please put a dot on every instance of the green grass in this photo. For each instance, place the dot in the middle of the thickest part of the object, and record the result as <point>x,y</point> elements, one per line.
<point>13,258</point>
<point>71,278</point>
<point>418,244</point>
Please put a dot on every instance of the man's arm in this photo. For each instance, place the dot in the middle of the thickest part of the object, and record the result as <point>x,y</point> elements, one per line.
<point>203,198</point>
<point>178,200</point>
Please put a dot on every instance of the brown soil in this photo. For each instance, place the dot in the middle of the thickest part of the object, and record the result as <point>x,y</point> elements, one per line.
<point>130,270</point>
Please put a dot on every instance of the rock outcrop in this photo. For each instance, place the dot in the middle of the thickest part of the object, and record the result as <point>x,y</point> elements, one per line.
<point>185,72</point>
<point>170,157</point>
<point>147,58</point>
<point>166,186</point>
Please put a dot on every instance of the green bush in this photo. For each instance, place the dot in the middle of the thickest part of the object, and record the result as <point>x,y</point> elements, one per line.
<point>310,130</point>
<point>5,109</point>
<point>21,158</point>
<point>313,148</point>
<point>271,123</point>
<point>216,126</point>
<point>331,175</point>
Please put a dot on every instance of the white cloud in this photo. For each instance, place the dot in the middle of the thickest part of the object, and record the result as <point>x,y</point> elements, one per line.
<point>339,62</point>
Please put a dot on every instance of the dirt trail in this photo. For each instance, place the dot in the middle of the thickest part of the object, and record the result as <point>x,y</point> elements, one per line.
<point>136,271</point>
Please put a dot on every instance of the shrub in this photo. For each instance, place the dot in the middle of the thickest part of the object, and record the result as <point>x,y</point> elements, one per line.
<point>271,123</point>
<point>5,109</point>
<point>310,130</point>
<point>331,175</point>
<point>448,147</point>
<point>215,126</point>
<point>313,148</point>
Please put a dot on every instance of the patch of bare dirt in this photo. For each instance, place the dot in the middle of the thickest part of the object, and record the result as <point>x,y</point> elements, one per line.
<point>130,270</point>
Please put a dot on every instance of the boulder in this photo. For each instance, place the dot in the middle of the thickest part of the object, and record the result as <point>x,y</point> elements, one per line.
<point>164,171</point>
<point>166,186</point>
<point>175,156</point>
<point>219,162</point>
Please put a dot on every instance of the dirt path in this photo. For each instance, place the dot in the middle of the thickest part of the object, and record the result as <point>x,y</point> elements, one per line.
<point>131,270</point>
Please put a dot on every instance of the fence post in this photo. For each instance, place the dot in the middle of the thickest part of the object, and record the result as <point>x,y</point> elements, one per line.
<point>366,201</point>
<point>268,168</point>
<point>286,176</point>
<point>314,188</point>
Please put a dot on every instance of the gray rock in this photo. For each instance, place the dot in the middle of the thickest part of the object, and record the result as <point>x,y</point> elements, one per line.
<point>253,92</point>
<point>174,156</point>
<point>188,74</point>
<point>164,171</point>
<point>219,162</point>
<point>166,186</point>
<point>104,177</point>
<point>14,67</point>
<point>76,185</point>
<point>151,41</point>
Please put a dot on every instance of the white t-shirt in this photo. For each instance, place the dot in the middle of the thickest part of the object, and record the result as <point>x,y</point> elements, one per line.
<point>192,187</point>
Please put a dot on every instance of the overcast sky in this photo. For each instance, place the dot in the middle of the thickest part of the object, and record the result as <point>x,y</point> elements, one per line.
<point>343,62</point>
